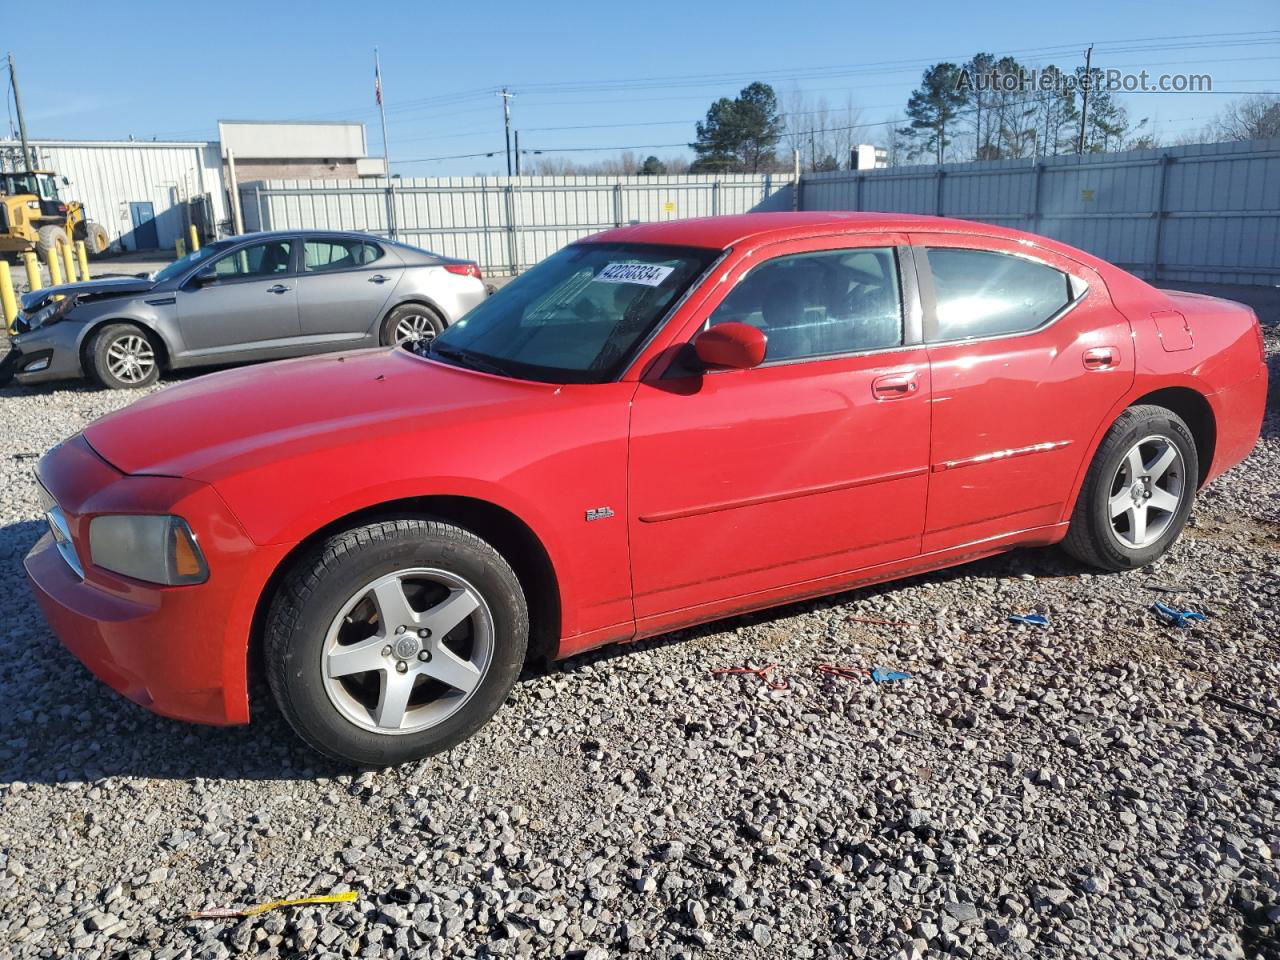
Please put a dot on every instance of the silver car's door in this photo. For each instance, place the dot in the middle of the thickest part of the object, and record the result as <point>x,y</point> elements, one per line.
<point>244,302</point>
<point>343,285</point>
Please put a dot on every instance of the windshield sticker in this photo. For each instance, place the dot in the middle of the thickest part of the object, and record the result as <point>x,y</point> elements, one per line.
<point>645,274</point>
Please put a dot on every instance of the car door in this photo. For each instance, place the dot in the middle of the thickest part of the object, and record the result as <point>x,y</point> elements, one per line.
<point>810,465</point>
<point>243,303</point>
<point>1028,355</point>
<point>344,284</point>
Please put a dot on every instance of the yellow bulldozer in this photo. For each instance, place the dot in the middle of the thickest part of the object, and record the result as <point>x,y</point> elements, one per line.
<point>33,217</point>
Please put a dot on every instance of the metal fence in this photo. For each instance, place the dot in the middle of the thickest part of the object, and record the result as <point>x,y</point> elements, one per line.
<point>1203,213</point>
<point>504,223</point>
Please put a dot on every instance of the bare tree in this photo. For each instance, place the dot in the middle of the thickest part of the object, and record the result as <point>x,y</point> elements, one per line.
<point>1249,118</point>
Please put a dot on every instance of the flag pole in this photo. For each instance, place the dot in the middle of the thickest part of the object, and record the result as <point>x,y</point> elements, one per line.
<point>386,154</point>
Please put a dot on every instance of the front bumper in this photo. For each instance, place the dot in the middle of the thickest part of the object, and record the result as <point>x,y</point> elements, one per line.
<point>178,651</point>
<point>49,353</point>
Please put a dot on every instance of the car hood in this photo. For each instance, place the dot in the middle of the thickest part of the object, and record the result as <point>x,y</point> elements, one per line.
<point>89,289</point>
<point>244,418</point>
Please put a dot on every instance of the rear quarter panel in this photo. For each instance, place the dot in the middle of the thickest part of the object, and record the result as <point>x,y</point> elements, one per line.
<point>1224,363</point>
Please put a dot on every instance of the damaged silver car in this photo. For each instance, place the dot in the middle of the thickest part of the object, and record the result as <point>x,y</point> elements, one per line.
<point>263,296</point>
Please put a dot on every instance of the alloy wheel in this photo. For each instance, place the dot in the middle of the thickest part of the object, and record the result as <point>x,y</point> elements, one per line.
<point>131,358</point>
<point>414,327</point>
<point>407,650</point>
<point>1146,491</point>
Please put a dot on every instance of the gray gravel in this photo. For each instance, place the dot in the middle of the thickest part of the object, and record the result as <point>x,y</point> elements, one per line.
<point>1073,791</point>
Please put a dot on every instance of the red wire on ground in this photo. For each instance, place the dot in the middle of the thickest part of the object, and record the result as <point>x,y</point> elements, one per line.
<point>761,672</point>
<point>845,673</point>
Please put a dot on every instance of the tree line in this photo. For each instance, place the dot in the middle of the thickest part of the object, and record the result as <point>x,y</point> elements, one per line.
<point>954,115</point>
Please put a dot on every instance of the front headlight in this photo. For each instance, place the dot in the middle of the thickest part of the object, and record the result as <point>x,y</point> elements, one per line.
<point>157,549</point>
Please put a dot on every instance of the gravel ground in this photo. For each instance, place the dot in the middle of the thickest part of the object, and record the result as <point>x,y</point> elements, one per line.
<point>1070,791</point>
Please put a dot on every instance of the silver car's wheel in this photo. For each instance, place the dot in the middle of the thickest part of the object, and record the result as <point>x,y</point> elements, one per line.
<point>130,358</point>
<point>408,650</point>
<point>122,357</point>
<point>411,323</point>
<point>1147,491</point>
<point>414,327</point>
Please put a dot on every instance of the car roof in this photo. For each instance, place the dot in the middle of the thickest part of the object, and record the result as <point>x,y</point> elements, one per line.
<point>728,231</point>
<point>306,232</point>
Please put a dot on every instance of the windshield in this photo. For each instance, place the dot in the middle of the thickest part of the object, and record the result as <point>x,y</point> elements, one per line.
<point>577,316</point>
<point>179,267</point>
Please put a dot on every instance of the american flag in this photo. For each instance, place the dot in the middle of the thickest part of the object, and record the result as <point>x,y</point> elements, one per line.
<point>377,84</point>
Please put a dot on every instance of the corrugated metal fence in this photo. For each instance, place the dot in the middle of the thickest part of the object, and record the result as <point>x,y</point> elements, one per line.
<point>504,223</point>
<point>1203,213</point>
<point>1199,213</point>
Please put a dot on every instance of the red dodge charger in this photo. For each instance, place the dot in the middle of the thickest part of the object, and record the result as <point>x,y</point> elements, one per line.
<point>657,426</point>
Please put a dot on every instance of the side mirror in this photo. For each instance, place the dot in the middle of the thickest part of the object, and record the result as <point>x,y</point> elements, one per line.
<point>734,346</point>
<point>204,277</point>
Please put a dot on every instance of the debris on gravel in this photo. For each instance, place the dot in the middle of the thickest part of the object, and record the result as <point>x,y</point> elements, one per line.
<point>1104,786</point>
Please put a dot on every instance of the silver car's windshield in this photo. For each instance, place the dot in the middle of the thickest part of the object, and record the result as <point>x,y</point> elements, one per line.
<point>193,259</point>
<point>577,316</point>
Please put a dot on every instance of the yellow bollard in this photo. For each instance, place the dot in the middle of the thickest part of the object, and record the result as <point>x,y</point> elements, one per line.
<point>8,302</point>
<point>195,238</point>
<point>82,258</point>
<point>55,268</point>
<point>180,247</point>
<point>34,280</point>
<point>68,261</point>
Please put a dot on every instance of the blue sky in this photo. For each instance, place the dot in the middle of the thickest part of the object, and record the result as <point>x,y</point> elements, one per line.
<point>634,73</point>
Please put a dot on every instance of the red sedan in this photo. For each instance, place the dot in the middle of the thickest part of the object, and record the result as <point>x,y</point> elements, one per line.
<point>657,426</point>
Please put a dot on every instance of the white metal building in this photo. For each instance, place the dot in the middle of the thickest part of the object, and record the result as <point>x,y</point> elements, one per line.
<point>137,190</point>
<point>146,193</point>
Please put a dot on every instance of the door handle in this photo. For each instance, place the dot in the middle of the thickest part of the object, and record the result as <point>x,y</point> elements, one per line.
<point>279,288</point>
<point>1100,358</point>
<point>378,278</point>
<point>894,386</point>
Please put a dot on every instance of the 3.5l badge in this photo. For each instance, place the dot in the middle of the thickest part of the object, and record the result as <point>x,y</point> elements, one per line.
<point>599,513</point>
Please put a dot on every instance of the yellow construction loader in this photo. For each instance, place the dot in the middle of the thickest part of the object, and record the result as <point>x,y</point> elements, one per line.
<point>32,217</point>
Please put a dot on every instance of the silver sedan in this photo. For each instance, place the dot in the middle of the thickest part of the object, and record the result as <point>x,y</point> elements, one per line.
<point>263,296</point>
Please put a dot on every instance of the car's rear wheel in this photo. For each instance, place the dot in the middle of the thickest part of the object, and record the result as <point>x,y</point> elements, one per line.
<point>409,323</point>
<point>122,357</point>
<point>1138,492</point>
<point>395,640</point>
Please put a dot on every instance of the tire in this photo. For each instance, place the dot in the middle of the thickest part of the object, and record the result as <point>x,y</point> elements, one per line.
<point>109,356</point>
<point>329,615</point>
<point>48,238</point>
<point>95,238</point>
<point>1138,492</point>
<point>425,320</point>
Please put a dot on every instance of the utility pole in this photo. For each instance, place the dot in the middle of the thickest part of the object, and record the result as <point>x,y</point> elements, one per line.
<point>386,154</point>
<point>517,153</point>
<point>506,96</point>
<point>22,124</point>
<point>1084,104</point>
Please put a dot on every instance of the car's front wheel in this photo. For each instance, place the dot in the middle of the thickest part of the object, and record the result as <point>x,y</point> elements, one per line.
<point>395,640</point>
<point>1138,492</point>
<point>122,357</point>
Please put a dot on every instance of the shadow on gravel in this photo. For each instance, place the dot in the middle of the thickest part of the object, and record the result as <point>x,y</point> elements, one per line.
<point>1047,563</point>
<point>62,725</point>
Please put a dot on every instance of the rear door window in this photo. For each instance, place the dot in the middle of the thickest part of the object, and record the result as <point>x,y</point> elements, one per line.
<point>984,294</point>
<point>327,254</point>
